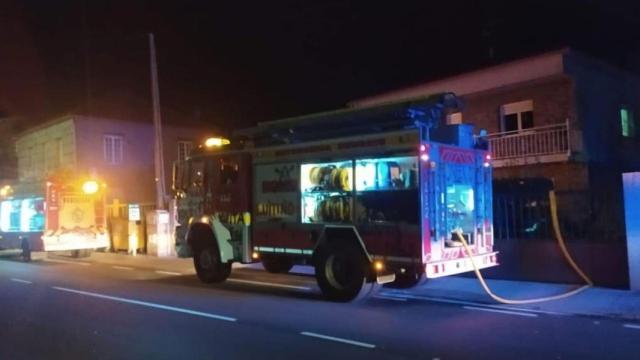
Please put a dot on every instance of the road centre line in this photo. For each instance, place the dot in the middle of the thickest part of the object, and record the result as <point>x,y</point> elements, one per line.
<point>261,283</point>
<point>70,262</point>
<point>632,326</point>
<point>146,304</point>
<point>168,272</point>
<point>21,281</point>
<point>507,312</point>
<point>337,339</point>
<point>122,267</point>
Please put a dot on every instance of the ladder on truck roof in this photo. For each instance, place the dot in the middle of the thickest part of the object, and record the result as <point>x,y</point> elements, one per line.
<point>352,121</point>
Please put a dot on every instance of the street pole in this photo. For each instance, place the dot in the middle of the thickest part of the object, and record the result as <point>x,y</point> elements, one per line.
<point>160,241</point>
<point>157,125</point>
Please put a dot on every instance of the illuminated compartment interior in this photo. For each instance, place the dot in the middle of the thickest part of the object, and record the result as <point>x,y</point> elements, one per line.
<point>460,203</point>
<point>326,192</point>
<point>387,190</point>
<point>22,215</point>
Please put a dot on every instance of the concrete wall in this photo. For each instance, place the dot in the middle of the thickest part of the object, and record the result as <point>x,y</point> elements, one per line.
<point>632,217</point>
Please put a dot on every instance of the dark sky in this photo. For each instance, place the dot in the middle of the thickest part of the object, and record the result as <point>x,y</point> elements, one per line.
<point>233,63</point>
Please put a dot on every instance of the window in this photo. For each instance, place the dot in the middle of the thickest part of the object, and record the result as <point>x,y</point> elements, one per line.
<point>627,122</point>
<point>454,118</point>
<point>184,149</point>
<point>113,149</point>
<point>517,116</point>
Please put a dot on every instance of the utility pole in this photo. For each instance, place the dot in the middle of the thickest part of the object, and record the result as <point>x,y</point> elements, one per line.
<point>157,126</point>
<point>160,241</point>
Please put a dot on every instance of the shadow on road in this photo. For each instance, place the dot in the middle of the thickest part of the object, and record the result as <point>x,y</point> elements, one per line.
<point>192,281</point>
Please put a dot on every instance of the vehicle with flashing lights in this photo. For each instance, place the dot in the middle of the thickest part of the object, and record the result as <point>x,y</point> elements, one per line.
<point>365,196</point>
<point>63,214</point>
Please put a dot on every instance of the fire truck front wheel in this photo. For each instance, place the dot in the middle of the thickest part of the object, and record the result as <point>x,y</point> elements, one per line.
<point>340,271</point>
<point>209,267</point>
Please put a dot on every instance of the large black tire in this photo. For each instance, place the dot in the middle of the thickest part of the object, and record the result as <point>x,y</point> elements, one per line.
<point>341,271</point>
<point>277,264</point>
<point>405,281</point>
<point>208,266</point>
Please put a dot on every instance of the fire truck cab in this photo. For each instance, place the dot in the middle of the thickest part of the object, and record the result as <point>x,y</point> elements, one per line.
<point>370,195</point>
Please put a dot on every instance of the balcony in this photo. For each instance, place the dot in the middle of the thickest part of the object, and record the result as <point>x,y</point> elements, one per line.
<point>542,144</point>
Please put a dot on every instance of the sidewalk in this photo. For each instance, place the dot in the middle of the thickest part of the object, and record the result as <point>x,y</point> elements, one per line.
<point>601,302</point>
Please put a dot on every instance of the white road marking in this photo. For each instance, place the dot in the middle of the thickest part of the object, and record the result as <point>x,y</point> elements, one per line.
<point>168,272</point>
<point>500,311</point>
<point>122,267</point>
<point>147,304</point>
<point>632,326</point>
<point>389,297</point>
<point>260,283</point>
<point>70,262</point>
<point>470,303</point>
<point>341,340</point>
<point>21,281</point>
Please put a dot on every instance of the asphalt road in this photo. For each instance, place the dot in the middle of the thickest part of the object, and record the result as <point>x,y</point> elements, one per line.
<point>79,309</point>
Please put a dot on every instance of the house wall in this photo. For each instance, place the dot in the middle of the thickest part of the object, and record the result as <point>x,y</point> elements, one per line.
<point>46,150</point>
<point>512,73</point>
<point>552,102</point>
<point>600,91</point>
<point>8,160</point>
<point>133,179</point>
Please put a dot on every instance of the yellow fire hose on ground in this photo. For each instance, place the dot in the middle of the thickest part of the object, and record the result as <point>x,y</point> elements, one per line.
<point>565,252</point>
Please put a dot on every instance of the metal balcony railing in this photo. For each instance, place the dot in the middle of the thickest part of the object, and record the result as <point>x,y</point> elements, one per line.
<point>536,142</point>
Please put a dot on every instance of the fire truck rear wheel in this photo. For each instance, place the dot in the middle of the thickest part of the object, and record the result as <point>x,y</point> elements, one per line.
<point>208,266</point>
<point>277,265</point>
<point>340,271</point>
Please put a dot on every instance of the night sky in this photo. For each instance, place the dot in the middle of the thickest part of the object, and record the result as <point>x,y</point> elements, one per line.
<point>236,63</point>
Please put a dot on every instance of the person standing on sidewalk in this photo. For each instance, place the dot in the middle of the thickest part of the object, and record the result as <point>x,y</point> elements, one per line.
<point>26,248</point>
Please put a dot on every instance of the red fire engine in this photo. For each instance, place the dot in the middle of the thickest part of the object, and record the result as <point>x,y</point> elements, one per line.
<point>363,195</point>
<point>56,215</point>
